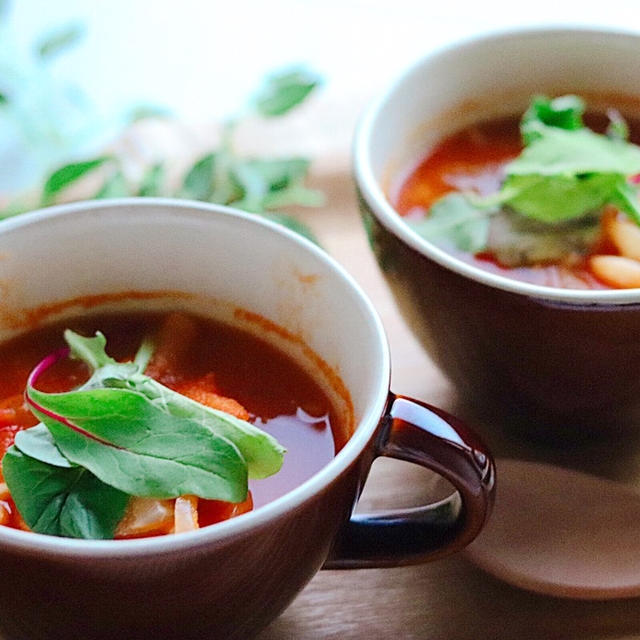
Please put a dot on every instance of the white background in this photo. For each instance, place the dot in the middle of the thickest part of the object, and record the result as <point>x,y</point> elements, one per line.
<point>202,58</point>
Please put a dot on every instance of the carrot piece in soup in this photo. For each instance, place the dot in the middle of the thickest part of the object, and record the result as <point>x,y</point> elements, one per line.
<point>212,511</point>
<point>14,411</point>
<point>14,417</point>
<point>202,390</point>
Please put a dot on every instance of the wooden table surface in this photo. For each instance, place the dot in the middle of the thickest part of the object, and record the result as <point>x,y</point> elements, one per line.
<point>449,599</point>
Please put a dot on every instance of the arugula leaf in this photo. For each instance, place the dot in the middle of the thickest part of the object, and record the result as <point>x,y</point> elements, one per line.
<point>59,40</point>
<point>559,198</point>
<point>456,219</point>
<point>564,175</point>
<point>38,443</point>
<point>565,172</point>
<point>284,90</point>
<point>559,153</point>
<point>134,445</point>
<point>67,175</point>
<point>92,351</point>
<point>62,501</point>
<point>261,452</point>
<point>564,112</point>
<point>626,199</point>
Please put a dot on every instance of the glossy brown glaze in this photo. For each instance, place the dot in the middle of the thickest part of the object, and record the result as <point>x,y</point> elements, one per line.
<point>550,368</point>
<point>416,432</point>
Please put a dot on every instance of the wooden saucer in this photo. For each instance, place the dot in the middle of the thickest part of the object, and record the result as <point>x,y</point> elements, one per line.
<point>562,533</point>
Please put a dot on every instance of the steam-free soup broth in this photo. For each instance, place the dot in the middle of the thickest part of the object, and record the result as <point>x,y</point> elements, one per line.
<point>213,363</point>
<point>588,252</point>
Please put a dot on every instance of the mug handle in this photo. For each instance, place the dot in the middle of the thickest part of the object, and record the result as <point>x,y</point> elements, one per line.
<point>418,432</point>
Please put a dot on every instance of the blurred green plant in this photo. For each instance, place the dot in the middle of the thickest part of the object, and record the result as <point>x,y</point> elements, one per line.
<point>260,185</point>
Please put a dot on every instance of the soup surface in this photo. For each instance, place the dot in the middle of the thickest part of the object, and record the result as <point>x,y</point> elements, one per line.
<point>473,160</point>
<point>213,363</point>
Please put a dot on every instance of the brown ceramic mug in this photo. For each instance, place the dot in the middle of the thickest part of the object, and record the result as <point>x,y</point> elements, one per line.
<point>552,361</point>
<point>227,580</point>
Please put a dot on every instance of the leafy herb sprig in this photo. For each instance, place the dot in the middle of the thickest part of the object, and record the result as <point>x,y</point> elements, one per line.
<point>124,434</point>
<point>566,172</point>
<point>265,186</point>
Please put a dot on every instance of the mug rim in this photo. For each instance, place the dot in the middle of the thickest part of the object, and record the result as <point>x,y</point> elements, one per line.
<point>376,199</point>
<point>53,546</point>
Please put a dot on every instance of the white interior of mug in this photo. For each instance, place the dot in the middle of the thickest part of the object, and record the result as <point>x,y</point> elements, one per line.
<point>479,79</point>
<point>216,257</point>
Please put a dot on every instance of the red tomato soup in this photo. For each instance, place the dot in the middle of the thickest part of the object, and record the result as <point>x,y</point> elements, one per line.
<point>473,160</point>
<point>213,363</point>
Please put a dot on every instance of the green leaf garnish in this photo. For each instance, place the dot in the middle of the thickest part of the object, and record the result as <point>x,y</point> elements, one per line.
<point>558,152</point>
<point>134,445</point>
<point>564,112</point>
<point>626,199</point>
<point>62,501</point>
<point>456,219</point>
<point>124,434</point>
<point>559,198</point>
<point>262,453</point>
<point>38,443</point>
<point>283,91</point>
<point>565,172</point>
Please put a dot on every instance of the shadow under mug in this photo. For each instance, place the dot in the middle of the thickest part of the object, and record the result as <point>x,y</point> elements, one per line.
<point>228,580</point>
